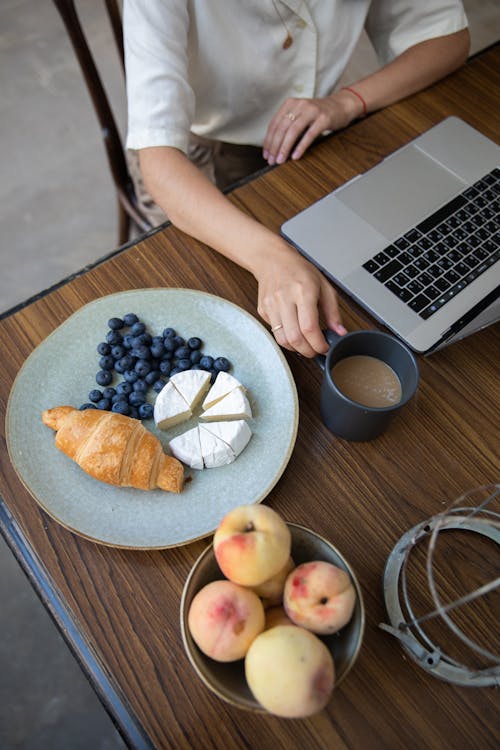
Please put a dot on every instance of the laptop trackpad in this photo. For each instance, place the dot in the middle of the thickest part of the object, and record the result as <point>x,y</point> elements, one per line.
<point>400,191</point>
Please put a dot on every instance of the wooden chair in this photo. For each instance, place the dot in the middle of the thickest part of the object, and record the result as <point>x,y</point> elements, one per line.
<point>129,211</point>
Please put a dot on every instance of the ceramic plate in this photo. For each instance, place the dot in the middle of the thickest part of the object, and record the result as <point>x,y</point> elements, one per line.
<point>61,370</point>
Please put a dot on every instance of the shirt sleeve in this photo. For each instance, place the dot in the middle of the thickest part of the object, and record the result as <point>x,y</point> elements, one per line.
<point>160,100</point>
<point>395,25</point>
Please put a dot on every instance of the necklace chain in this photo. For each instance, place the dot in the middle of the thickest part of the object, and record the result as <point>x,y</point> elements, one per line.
<point>289,38</point>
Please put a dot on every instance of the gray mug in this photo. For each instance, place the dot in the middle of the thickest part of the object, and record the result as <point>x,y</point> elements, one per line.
<point>350,419</point>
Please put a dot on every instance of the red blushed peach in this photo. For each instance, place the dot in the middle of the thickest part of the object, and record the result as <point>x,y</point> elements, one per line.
<point>271,591</point>
<point>319,596</point>
<point>276,616</point>
<point>251,544</point>
<point>290,671</point>
<point>224,619</point>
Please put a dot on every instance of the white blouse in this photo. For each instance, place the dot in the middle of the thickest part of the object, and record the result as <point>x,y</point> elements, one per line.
<point>219,67</point>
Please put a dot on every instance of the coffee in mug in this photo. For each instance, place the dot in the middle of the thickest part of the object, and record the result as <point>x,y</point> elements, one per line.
<point>367,380</point>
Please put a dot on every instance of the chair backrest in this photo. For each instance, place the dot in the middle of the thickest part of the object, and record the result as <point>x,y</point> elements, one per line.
<point>128,206</point>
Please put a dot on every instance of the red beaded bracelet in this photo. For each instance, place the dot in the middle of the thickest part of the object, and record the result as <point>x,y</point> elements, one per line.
<point>348,88</point>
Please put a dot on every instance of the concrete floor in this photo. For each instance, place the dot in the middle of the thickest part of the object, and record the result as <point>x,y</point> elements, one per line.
<point>57,215</point>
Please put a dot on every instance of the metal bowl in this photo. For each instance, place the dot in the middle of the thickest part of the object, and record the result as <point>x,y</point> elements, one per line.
<point>227,680</point>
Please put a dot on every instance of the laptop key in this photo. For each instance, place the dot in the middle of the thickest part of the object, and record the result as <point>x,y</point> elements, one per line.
<point>401,279</point>
<point>385,273</point>
<point>381,258</point>
<point>403,294</point>
<point>370,266</point>
<point>401,243</point>
<point>441,214</point>
<point>418,303</point>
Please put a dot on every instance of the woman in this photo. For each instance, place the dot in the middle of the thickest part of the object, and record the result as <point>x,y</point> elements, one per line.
<point>212,82</point>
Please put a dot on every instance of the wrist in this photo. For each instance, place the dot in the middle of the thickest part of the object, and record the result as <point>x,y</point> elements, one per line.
<point>354,103</point>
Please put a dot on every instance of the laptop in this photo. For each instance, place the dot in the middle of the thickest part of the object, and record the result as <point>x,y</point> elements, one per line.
<point>415,240</point>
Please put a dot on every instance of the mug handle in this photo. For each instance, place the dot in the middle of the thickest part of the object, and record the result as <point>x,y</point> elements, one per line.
<point>332,339</point>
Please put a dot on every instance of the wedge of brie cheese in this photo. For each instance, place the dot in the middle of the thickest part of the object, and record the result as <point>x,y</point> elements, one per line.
<point>187,448</point>
<point>192,385</point>
<point>235,434</point>
<point>224,384</point>
<point>233,405</point>
<point>170,408</point>
<point>215,451</point>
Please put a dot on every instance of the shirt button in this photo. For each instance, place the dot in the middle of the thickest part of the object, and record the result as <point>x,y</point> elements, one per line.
<point>298,88</point>
<point>301,24</point>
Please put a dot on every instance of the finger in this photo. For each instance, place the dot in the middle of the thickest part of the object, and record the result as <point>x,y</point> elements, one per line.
<point>331,311</point>
<point>277,119</point>
<point>310,135</point>
<point>292,333</point>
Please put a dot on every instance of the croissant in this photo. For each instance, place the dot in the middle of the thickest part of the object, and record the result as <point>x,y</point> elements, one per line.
<point>113,448</point>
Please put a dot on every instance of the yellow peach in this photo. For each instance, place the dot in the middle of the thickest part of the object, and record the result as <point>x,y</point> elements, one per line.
<point>271,591</point>
<point>224,619</point>
<point>319,596</point>
<point>251,544</point>
<point>276,616</point>
<point>290,671</point>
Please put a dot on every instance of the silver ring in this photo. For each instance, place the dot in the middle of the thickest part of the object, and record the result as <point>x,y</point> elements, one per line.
<point>276,328</point>
<point>290,116</point>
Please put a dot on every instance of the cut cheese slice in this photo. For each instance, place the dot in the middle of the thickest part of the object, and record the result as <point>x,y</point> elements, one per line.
<point>215,451</point>
<point>170,408</point>
<point>224,384</point>
<point>234,405</point>
<point>192,385</point>
<point>235,434</point>
<point>187,448</point>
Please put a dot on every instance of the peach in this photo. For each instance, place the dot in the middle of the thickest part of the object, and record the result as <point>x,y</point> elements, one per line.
<point>276,616</point>
<point>224,619</point>
<point>271,591</point>
<point>290,671</point>
<point>251,544</point>
<point>319,596</point>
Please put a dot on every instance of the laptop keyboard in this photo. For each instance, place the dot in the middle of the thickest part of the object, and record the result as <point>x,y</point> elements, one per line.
<point>430,264</point>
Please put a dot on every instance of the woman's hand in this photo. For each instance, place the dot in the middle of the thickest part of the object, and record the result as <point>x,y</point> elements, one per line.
<point>298,122</point>
<point>291,294</point>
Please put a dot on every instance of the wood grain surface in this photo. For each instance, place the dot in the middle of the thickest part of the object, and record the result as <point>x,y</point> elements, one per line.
<point>361,496</point>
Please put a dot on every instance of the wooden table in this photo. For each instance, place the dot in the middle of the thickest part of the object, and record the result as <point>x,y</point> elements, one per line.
<point>118,609</point>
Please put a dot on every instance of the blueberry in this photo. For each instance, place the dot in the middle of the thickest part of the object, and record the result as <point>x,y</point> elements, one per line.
<point>213,375</point>
<point>197,366</point>
<point>130,376</point>
<point>158,386</point>
<point>169,344</point>
<point>119,397</point>
<point>165,367</point>
<point>142,367</point>
<point>144,339</point>
<point>104,404</point>
<point>124,388</point>
<point>169,333</point>
<point>104,348</point>
<point>121,407</point>
<point>152,377</point>
<point>127,341</point>
<point>194,342</point>
<point>113,337</point>
<point>124,364</point>
<point>157,340</point>
<point>184,364</point>
<point>166,355</point>
<point>95,395</point>
<point>141,352</point>
<point>137,398</point>
<point>175,370</point>
<point>195,356</point>
<point>107,362</point>
<point>179,341</point>
<point>137,328</point>
<point>118,351</point>
<point>134,412</point>
<point>103,377</point>
<point>115,324</point>
<point>183,352</point>
<point>222,364</point>
<point>145,411</point>
<point>84,407</point>
<point>157,350</point>
<point>130,318</point>
<point>140,385</point>
<point>108,393</point>
<point>207,362</point>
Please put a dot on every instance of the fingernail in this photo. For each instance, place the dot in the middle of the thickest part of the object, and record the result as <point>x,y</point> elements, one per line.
<point>265,154</point>
<point>296,155</point>
<point>270,159</point>
<point>341,330</point>
<point>280,159</point>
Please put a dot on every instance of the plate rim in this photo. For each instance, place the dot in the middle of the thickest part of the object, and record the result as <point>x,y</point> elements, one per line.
<point>196,292</point>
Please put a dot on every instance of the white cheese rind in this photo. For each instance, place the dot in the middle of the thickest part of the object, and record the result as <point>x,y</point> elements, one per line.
<point>170,408</point>
<point>192,385</point>
<point>187,448</point>
<point>224,384</point>
<point>235,434</point>
<point>215,451</point>
<point>234,405</point>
